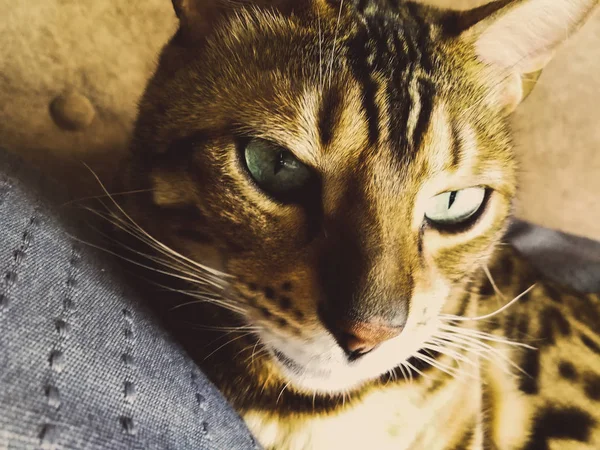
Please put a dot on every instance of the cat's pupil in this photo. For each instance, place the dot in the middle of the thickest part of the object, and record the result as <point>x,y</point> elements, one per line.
<point>280,162</point>
<point>451,199</point>
<point>276,170</point>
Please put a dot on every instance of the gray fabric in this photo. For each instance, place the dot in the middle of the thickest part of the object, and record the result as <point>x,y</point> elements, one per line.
<point>570,260</point>
<point>83,364</point>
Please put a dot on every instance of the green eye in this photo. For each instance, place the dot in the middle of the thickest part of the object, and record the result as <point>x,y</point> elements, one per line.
<point>276,170</point>
<point>455,207</point>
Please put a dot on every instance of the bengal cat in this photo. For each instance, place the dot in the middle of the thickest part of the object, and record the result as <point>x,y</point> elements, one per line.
<point>330,181</point>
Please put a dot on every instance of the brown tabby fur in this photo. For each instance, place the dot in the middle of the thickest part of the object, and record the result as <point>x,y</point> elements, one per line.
<point>301,74</point>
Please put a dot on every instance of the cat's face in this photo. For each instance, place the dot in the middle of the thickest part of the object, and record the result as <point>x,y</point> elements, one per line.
<point>349,168</point>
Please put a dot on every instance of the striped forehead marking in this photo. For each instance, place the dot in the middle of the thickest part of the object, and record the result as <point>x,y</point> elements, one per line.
<point>394,46</point>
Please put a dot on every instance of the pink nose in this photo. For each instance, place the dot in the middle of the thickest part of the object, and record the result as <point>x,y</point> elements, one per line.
<point>359,338</point>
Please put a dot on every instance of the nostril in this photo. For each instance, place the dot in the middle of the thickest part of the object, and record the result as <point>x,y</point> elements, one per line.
<point>359,338</point>
<point>355,355</point>
<point>353,352</point>
<point>355,345</point>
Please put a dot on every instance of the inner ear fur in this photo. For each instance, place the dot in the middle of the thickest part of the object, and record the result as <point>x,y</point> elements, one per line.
<point>518,37</point>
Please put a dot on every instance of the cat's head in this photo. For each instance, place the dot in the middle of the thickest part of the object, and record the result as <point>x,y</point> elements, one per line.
<point>346,163</point>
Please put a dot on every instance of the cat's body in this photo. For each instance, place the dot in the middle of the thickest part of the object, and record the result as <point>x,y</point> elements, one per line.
<point>543,394</point>
<point>330,180</point>
<point>543,397</point>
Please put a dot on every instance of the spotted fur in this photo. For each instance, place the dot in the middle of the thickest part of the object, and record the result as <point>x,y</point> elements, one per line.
<point>389,103</point>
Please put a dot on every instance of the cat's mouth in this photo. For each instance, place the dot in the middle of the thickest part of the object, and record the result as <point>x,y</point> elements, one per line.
<point>314,375</point>
<point>325,370</point>
<point>317,363</point>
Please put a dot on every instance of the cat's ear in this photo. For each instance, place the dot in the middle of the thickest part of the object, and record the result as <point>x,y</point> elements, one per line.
<point>521,36</point>
<point>197,18</point>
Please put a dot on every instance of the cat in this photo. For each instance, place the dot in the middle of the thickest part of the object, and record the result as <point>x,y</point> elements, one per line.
<point>330,182</point>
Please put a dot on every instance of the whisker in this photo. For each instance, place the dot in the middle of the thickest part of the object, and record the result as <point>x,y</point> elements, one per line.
<point>401,367</point>
<point>320,50</point>
<point>440,366</point>
<point>482,347</point>
<point>254,355</point>
<point>254,351</point>
<point>113,194</point>
<point>242,350</point>
<point>110,252</point>
<point>145,233</point>
<point>409,365</point>
<point>448,352</point>
<point>460,345</point>
<point>253,347</point>
<point>491,279</point>
<point>225,344</point>
<point>194,280</point>
<point>202,299</point>
<point>487,355</point>
<point>128,228</point>
<point>337,26</point>
<point>200,278</point>
<point>281,393</point>
<point>389,375</point>
<point>498,311</point>
<point>479,335</point>
<point>262,390</point>
<point>229,329</point>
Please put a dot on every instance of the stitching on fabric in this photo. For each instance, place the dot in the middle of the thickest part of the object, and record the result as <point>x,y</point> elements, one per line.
<point>129,388</point>
<point>200,399</point>
<point>201,406</point>
<point>49,437</point>
<point>11,276</point>
<point>56,360</point>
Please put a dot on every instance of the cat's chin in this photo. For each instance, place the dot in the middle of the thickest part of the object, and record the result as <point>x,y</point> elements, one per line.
<point>326,373</point>
<point>319,365</point>
<point>320,379</point>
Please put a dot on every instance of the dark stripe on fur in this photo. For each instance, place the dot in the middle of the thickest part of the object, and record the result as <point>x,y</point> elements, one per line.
<point>426,93</point>
<point>528,382</point>
<point>465,441</point>
<point>422,41</point>
<point>584,309</point>
<point>358,58</point>
<point>563,423</point>
<point>552,321</point>
<point>591,383</point>
<point>593,346</point>
<point>329,115</point>
<point>398,100</point>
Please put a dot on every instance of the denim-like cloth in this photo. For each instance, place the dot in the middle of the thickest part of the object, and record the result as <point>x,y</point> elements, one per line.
<point>83,364</point>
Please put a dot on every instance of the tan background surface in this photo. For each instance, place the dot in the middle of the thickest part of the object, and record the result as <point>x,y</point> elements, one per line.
<point>106,49</point>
